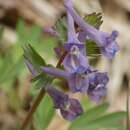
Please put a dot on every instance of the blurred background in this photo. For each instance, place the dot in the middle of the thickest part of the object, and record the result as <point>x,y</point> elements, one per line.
<point>22,21</point>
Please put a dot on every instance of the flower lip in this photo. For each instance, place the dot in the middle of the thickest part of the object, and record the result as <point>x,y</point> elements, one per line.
<point>68,46</point>
<point>97,86</point>
<point>73,111</point>
<point>70,108</point>
<point>60,99</point>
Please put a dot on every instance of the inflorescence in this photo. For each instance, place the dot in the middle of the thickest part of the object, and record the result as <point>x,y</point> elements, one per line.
<point>80,76</point>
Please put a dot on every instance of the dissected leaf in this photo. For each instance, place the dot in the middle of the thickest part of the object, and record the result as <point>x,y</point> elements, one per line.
<point>92,49</point>
<point>94,19</point>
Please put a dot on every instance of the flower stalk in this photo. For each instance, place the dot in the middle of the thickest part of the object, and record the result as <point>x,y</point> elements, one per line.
<point>38,99</point>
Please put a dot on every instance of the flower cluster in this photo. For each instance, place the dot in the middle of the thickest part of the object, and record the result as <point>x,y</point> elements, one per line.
<point>81,77</point>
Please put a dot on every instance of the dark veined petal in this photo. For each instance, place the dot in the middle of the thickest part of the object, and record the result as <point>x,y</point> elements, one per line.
<point>73,110</point>
<point>81,47</point>
<point>76,57</point>
<point>59,98</point>
<point>97,86</point>
<point>78,81</point>
<point>70,108</point>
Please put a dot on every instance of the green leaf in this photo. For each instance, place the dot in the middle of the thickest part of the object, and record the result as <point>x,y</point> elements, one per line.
<point>33,57</point>
<point>94,19</point>
<point>89,115</point>
<point>31,34</point>
<point>111,120</point>
<point>42,80</point>
<point>95,118</point>
<point>44,114</point>
<point>92,49</point>
<point>11,70</point>
<point>61,28</point>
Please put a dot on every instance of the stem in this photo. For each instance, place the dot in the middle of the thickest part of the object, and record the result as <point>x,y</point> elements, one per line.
<point>33,109</point>
<point>61,59</point>
<point>39,98</point>
<point>128,119</point>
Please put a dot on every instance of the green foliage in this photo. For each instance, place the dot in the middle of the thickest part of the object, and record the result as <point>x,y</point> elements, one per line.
<point>42,80</point>
<point>33,57</point>
<point>44,114</point>
<point>96,118</point>
<point>61,28</point>
<point>28,35</point>
<point>11,66</point>
<point>94,19</point>
<point>92,49</point>
<point>10,63</point>
<point>34,36</point>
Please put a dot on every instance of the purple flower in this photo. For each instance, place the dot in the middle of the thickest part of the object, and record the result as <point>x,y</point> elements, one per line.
<point>97,86</point>
<point>70,108</point>
<point>75,57</point>
<point>83,80</point>
<point>76,50</point>
<point>78,80</point>
<point>73,111</point>
<point>104,40</point>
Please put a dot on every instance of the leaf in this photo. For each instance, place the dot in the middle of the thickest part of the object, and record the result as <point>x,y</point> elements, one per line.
<point>89,115</point>
<point>106,121</point>
<point>42,80</point>
<point>92,49</point>
<point>33,57</point>
<point>22,31</point>
<point>31,34</point>
<point>61,28</point>
<point>94,19</point>
<point>11,70</point>
<point>44,114</point>
<point>94,118</point>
